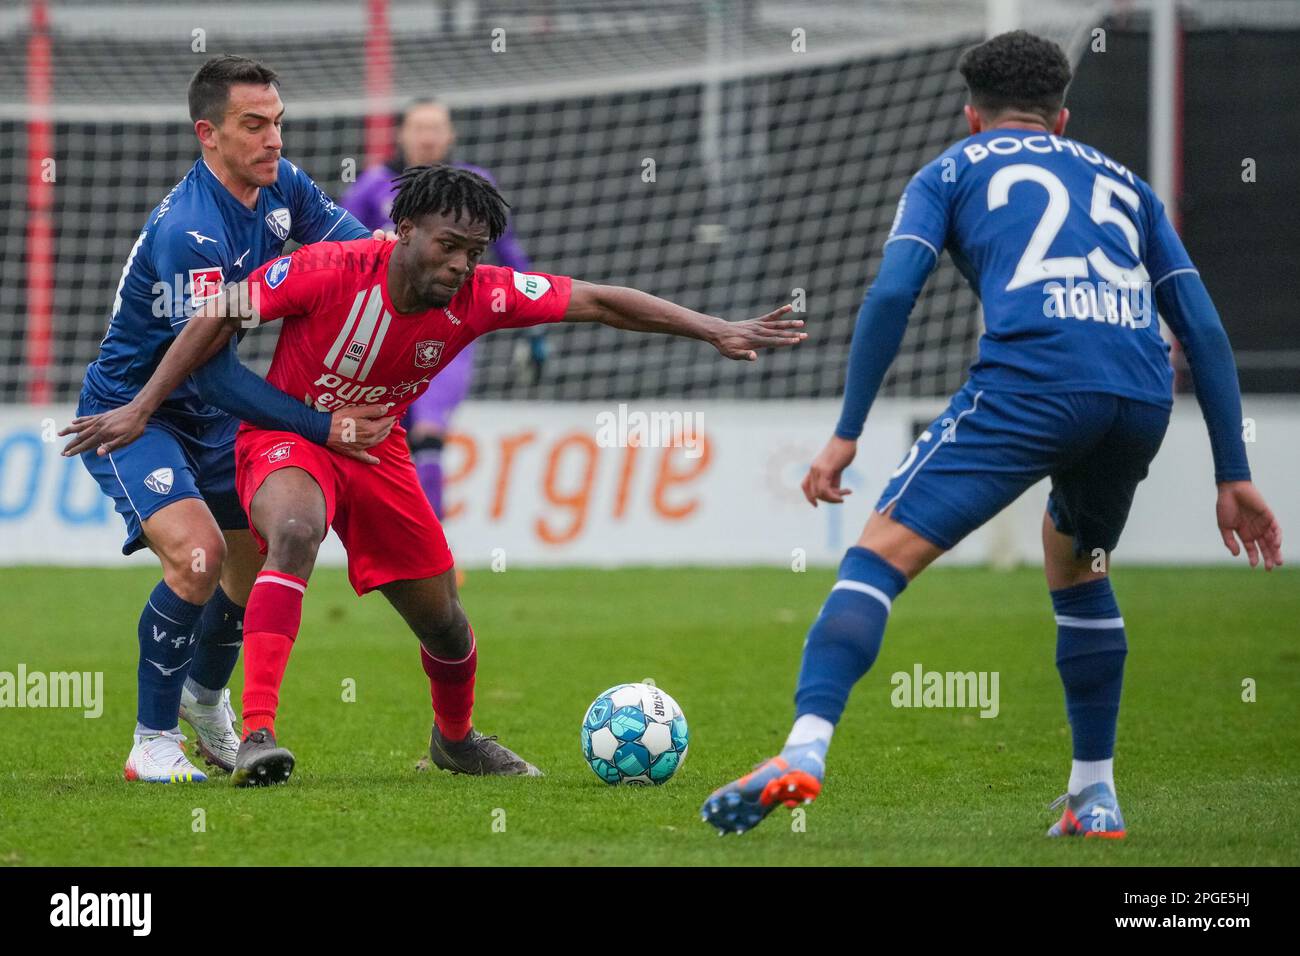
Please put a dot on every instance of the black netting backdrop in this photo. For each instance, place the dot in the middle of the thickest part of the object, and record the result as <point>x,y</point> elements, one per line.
<point>779,173</point>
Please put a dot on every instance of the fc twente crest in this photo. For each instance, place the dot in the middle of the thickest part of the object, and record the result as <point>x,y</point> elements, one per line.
<point>428,353</point>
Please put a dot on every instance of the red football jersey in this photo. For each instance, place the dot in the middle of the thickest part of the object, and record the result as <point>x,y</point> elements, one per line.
<point>343,343</point>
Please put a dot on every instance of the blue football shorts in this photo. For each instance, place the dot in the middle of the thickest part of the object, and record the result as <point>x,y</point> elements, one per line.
<point>170,461</point>
<point>987,447</point>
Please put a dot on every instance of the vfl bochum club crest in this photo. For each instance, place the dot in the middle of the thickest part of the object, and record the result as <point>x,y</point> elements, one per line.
<point>159,481</point>
<point>279,220</point>
<point>428,353</point>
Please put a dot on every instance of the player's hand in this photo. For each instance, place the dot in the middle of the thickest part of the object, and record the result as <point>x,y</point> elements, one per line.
<point>738,340</point>
<point>386,234</point>
<point>107,431</point>
<point>358,427</point>
<point>1241,510</point>
<point>822,483</point>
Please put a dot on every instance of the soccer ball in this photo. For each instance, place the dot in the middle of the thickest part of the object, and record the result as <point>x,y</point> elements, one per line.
<point>634,733</point>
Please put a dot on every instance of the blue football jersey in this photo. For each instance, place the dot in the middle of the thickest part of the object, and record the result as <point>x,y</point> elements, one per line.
<point>196,240</point>
<point>1064,247</point>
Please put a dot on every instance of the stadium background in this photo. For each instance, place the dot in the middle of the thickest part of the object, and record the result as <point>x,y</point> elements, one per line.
<point>775,169</point>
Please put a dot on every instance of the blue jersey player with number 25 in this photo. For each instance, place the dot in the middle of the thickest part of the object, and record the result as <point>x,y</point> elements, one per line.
<point>1071,254</point>
<point>175,487</point>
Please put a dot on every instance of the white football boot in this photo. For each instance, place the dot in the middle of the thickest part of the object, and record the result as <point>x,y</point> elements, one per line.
<point>214,724</point>
<point>158,758</point>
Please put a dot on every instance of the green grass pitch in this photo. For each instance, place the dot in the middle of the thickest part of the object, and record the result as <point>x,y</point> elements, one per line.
<point>1204,778</point>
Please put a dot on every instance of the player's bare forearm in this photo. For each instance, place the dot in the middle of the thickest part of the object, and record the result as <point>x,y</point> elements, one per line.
<point>636,311</point>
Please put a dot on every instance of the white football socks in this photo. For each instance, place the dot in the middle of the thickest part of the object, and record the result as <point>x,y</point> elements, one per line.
<point>810,729</point>
<point>1084,773</point>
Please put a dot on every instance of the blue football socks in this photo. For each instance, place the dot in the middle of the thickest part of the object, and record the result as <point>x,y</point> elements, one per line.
<point>167,637</point>
<point>1090,651</point>
<point>845,639</point>
<point>220,634</point>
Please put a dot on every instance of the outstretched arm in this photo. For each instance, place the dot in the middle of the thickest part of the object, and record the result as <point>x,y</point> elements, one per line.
<point>635,311</point>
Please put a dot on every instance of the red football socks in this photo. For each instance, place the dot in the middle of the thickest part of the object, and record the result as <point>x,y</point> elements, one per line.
<point>271,624</point>
<point>451,685</point>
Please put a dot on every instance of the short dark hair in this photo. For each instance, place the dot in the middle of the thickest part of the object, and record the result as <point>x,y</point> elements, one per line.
<point>1016,71</point>
<point>426,190</point>
<point>210,87</point>
<point>413,105</point>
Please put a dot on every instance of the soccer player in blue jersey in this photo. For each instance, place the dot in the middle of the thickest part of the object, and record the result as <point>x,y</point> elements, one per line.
<point>1070,254</point>
<point>175,486</point>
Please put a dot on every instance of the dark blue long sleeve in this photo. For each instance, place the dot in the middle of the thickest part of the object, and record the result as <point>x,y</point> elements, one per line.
<point>879,331</point>
<point>350,227</point>
<point>228,384</point>
<point>1184,303</point>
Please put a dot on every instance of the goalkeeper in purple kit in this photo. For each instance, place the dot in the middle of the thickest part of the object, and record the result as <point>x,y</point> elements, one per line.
<point>426,136</point>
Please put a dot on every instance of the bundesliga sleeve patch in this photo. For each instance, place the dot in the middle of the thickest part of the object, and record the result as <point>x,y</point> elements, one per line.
<point>277,271</point>
<point>532,286</point>
<point>205,283</point>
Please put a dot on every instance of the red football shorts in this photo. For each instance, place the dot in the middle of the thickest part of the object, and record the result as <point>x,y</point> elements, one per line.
<point>379,511</point>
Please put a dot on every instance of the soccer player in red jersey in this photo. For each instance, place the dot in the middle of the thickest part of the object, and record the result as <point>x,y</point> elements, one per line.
<point>369,323</point>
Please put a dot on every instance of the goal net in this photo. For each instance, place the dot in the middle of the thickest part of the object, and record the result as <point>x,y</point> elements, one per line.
<point>731,156</point>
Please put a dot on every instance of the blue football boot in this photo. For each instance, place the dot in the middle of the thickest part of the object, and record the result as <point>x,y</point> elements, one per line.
<point>1093,812</point>
<point>792,778</point>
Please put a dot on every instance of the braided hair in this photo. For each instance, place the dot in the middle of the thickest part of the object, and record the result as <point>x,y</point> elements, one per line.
<point>426,190</point>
